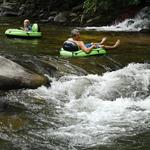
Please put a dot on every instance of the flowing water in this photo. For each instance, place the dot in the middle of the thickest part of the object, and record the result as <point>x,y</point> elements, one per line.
<point>109,109</point>
<point>140,22</point>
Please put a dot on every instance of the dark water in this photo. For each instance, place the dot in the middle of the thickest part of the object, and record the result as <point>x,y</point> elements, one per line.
<point>67,117</point>
<point>134,46</point>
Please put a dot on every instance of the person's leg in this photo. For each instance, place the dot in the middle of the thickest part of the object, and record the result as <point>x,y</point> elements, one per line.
<point>111,47</point>
<point>103,40</point>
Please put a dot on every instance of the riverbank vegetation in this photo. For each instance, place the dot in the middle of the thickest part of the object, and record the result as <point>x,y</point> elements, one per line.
<point>81,12</point>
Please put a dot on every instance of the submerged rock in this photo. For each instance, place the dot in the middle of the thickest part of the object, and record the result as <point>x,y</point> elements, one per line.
<point>54,67</point>
<point>14,76</point>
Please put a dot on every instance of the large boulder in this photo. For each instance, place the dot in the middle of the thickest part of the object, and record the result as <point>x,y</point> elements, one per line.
<point>14,76</point>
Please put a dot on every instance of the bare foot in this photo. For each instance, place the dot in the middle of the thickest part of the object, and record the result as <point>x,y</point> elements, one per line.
<point>103,40</point>
<point>117,44</point>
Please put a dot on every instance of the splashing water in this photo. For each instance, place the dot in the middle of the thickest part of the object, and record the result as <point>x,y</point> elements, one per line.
<point>96,110</point>
<point>141,21</point>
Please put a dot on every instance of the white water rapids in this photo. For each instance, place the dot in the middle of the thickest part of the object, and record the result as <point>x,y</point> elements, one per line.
<point>97,109</point>
<point>140,22</point>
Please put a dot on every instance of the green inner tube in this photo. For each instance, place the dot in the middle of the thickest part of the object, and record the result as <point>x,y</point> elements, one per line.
<point>81,53</point>
<point>24,34</point>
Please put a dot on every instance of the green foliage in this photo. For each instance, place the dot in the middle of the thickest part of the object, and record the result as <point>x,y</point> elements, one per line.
<point>91,6</point>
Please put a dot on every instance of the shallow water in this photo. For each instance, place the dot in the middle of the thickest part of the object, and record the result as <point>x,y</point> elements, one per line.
<point>135,47</point>
<point>108,109</point>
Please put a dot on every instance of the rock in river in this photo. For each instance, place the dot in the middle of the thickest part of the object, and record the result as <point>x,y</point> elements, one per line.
<point>14,76</point>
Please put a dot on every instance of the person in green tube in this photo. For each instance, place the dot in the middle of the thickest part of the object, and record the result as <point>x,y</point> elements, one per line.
<point>26,25</point>
<point>75,43</point>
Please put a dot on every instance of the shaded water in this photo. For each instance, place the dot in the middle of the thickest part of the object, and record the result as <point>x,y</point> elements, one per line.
<point>134,46</point>
<point>107,112</point>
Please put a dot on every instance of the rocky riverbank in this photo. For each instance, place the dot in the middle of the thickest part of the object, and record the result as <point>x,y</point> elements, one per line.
<point>44,11</point>
<point>29,71</point>
<point>68,12</point>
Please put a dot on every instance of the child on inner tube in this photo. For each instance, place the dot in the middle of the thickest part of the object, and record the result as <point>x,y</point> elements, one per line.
<point>26,25</point>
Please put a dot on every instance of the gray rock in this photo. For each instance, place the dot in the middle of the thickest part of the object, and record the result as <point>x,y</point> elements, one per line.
<point>53,13</point>
<point>51,18</point>
<point>60,17</point>
<point>14,76</point>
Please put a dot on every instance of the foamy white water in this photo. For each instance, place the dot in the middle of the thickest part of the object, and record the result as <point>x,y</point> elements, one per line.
<point>141,21</point>
<point>98,109</point>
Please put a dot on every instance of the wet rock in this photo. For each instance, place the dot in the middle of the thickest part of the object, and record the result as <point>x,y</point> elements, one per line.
<point>51,18</point>
<point>21,9</point>
<point>51,66</point>
<point>61,17</point>
<point>64,67</point>
<point>53,13</point>
<point>73,15</point>
<point>94,19</point>
<point>130,22</point>
<point>8,9</point>
<point>144,13</point>
<point>14,76</point>
<point>145,30</point>
<point>10,13</point>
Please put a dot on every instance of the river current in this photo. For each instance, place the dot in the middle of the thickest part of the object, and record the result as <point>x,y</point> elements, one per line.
<point>109,109</point>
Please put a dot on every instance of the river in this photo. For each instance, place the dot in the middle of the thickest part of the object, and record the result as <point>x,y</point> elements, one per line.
<point>109,109</point>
